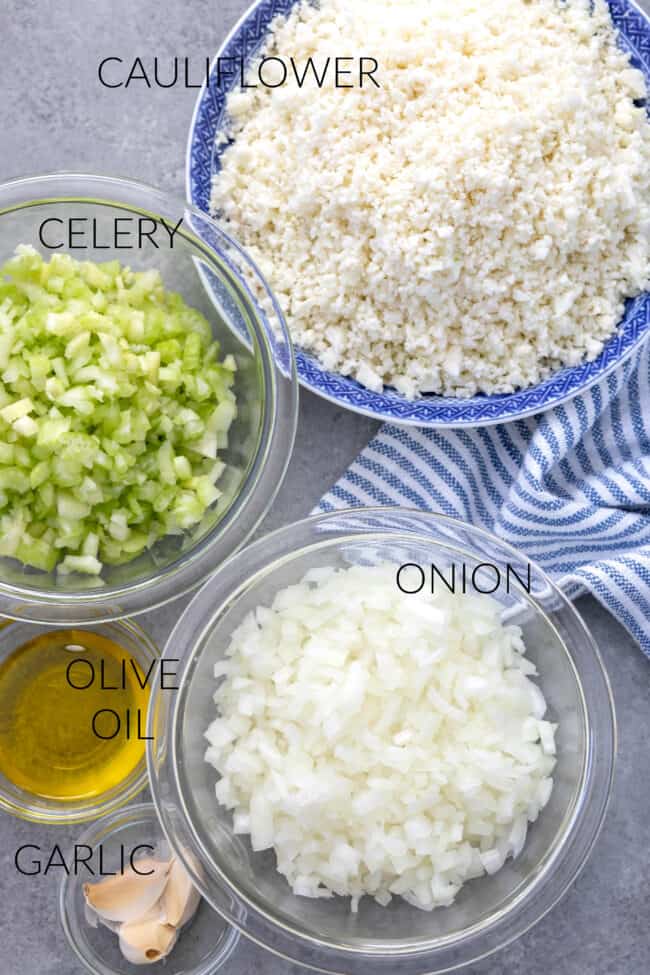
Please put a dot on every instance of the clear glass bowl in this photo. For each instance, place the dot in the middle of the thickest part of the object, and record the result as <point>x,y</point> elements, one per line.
<point>489,912</point>
<point>212,274</point>
<point>203,946</point>
<point>37,809</point>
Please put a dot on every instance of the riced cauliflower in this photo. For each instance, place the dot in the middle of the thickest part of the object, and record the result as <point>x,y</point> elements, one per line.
<point>471,225</point>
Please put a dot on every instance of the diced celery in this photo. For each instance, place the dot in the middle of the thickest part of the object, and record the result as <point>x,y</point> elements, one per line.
<point>169,351</point>
<point>118,526</point>
<point>188,509</point>
<point>15,411</point>
<point>60,371</point>
<point>39,473</point>
<point>87,564</point>
<point>22,455</point>
<point>90,545</point>
<point>205,490</point>
<point>13,479</point>
<point>192,352</point>
<point>11,533</point>
<point>6,344</point>
<point>90,492</point>
<point>71,509</point>
<point>207,445</point>
<point>70,535</point>
<point>166,463</point>
<point>113,407</point>
<point>54,388</point>
<point>37,553</point>
<point>163,499</point>
<point>79,398</point>
<point>39,367</point>
<point>78,346</point>
<point>182,468</point>
<point>26,426</point>
<point>47,496</point>
<point>171,375</point>
<point>52,431</point>
<point>6,453</point>
<point>223,416</point>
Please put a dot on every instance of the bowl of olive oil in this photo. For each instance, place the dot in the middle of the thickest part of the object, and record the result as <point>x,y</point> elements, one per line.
<point>73,716</point>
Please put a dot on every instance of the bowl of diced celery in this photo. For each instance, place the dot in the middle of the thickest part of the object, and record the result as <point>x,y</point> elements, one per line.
<point>148,398</point>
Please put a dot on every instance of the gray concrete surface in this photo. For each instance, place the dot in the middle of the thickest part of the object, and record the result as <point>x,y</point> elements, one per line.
<point>56,116</point>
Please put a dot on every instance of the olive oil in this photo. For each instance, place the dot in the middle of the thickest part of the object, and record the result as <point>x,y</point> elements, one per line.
<point>70,701</point>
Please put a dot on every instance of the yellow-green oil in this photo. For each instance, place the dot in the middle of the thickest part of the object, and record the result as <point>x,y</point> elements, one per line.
<point>55,738</point>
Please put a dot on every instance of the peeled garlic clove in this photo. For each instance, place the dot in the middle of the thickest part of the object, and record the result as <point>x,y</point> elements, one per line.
<point>180,898</point>
<point>128,896</point>
<point>94,920</point>
<point>147,941</point>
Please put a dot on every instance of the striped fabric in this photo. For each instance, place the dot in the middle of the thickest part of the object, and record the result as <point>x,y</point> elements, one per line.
<point>569,488</point>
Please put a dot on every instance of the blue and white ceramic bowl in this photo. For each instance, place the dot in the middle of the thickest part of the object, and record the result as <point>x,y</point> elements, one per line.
<point>430,410</point>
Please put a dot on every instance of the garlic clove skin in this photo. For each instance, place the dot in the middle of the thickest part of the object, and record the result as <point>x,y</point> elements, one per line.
<point>147,941</point>
<point>180,898</point>
<point>128,896</point>
<point>94,920</point>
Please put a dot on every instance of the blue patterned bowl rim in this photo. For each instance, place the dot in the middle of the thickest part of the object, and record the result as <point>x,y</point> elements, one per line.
<point>430,410</point>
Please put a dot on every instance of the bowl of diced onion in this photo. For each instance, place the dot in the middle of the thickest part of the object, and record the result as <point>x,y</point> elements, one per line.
<point>392,745</point>
<point>147,405</point>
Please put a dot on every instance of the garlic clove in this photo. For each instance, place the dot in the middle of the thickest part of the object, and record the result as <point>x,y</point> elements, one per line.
<point>128,896</point>
<point>180,898</point>
<point>94,920</point>
<point>147,941</point>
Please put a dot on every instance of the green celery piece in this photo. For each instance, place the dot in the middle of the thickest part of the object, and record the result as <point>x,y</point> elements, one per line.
<point>70,509</point>
<point>192,352</point>
<point>39,473</point>
<point>85,564</point>
<point>14,479</point>
<point>37,553</point>
<point>170,351</point>
<point>52,431</point>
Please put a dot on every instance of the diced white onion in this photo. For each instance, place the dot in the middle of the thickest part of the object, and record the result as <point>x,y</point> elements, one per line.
<point>381,743</point>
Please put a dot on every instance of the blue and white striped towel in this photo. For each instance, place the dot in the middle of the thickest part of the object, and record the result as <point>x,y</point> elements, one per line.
<point>569,488</point>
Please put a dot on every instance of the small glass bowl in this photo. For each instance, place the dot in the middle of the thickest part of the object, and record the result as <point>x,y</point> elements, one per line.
<point>489,911</point>
<point>203,946</point>
<point>37,809</point>
<point>214,275</point>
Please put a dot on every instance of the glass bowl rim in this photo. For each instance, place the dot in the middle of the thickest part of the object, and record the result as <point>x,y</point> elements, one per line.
<point>107,825</point>
<point>121,794</point>
<point>268,465</point>
<point>578,835</point>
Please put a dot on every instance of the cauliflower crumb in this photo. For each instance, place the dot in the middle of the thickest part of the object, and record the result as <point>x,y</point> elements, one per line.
<point>472,225</point>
